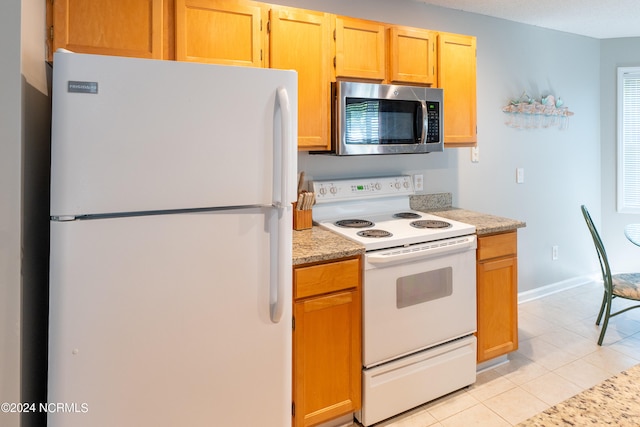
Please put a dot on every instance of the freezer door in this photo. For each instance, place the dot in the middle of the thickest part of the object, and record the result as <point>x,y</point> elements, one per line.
<point>168,321</point>
<point>132,135</point>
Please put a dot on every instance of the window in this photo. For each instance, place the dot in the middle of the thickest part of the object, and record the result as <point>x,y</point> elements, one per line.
<point>629,139</point>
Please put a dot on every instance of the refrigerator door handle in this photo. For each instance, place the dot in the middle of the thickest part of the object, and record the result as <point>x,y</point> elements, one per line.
<point>284,192</point>
<point>280,261</point>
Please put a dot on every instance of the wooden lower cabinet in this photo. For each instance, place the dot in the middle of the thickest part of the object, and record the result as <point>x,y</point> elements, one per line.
<point>326,341</point>
<point>497,288</point>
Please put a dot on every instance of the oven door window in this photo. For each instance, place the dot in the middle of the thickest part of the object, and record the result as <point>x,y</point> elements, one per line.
<point>380,121</point>
<point>422,287</point>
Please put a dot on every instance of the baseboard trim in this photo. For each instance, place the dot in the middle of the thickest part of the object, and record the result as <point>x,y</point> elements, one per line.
<point>553,288</point>
<point>343,421</point>
<point>491,364</point>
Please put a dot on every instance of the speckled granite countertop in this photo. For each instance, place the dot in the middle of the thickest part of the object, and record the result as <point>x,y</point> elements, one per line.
<point>613,402</point>
<point>440,204</point>
<point>485,223</point>
<point>317,244</point>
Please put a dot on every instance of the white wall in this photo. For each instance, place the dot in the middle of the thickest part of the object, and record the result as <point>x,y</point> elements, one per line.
<point>36,143</point>
<point>24,200</point>
<point>624,256</point>
<point>10,222</point>
<point>562,168</point>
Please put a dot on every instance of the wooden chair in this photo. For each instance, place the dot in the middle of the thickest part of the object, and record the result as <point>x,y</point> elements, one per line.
<point>623,285</point>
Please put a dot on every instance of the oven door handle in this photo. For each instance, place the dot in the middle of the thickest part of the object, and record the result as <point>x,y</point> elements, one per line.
<point>426,250</point>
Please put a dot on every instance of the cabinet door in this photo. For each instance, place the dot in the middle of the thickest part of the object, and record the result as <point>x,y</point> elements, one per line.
<point>115,27</point>
<point>327,357</point>
<point>411,55</point>
<point>457,76</point>
<point>497,307</point>
<point>360,49</point>
<point>220,32</point>
<point>301,40</point>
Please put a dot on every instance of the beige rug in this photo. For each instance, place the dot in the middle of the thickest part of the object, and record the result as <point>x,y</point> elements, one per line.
<point>614,402</point>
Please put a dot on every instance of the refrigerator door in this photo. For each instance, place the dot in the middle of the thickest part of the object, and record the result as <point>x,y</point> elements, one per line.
<point>167,320</point>
<point>131,135</point>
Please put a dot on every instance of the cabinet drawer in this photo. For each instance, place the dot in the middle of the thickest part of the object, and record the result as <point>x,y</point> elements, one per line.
<point>497,245</point>
<point>325,278</point>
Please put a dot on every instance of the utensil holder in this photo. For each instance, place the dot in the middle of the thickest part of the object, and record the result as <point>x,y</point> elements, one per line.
<point>302,220</point>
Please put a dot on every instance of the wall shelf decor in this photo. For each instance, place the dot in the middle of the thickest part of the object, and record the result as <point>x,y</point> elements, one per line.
<point>529,113</point>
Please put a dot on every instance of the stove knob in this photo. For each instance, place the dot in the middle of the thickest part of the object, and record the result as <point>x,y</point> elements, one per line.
<point>377,186</point>
<point>405,184</point>
<point>322,191</point>
<point>397,185</point>
<point>333,190</point>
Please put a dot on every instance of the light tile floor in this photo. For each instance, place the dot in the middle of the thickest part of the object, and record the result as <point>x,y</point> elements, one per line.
<point>558,358</point>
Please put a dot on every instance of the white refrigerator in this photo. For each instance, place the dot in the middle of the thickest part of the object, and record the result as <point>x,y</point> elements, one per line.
<point>170,268</point>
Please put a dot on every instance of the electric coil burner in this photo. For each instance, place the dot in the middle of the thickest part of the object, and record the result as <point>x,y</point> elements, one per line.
<point>430,223</point>
<point>407,215</point>
<point>354,223</point>
<point>419,293</point>
<point>374,233</point>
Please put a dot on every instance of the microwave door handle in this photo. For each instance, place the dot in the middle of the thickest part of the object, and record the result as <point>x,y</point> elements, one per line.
<point>425,122</point>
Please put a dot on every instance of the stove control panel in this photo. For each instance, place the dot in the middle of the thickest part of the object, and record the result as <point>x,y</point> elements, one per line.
<point>362,188</point>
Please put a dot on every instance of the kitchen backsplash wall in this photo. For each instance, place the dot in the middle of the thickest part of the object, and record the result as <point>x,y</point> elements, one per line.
<point>562,168</point>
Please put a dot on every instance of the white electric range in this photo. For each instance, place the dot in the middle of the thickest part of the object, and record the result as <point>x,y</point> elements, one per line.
<point>419,292</point>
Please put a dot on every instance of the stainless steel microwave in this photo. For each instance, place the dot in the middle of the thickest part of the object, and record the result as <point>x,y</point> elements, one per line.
<point>386,119</point>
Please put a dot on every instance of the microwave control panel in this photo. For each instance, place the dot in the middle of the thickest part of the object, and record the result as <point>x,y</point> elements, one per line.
<point>433,121</point>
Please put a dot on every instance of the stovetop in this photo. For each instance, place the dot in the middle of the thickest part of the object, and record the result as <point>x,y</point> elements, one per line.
<point>401,231</point>
<point>373,204</point>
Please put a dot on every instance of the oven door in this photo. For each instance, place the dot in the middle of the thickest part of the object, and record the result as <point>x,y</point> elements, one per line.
<point>418,297</point>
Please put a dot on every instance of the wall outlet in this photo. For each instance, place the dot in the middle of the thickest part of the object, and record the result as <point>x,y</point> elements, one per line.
<point>519,175</point>
<point>475,154</point>
<point>418,182</point>
<point>554,253</point>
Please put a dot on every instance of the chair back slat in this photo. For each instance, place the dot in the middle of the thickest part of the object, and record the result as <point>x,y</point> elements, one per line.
<point>602,253</point>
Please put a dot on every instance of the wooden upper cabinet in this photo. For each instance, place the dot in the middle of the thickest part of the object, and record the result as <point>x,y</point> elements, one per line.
<point>249,33</point>
<point>412,56</point>
<point>301,40</point>
<point>457,76</point>
<point>228,32</point>
<point>360,49</point>
<point>115,27</point>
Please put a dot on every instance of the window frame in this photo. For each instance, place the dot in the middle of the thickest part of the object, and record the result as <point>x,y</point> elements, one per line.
<point>623,145</point>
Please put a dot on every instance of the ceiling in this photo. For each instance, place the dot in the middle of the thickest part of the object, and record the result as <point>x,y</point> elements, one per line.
<point>600,19</point>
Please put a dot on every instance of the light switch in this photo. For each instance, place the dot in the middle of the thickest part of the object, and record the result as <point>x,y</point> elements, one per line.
<point>520,175</point>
